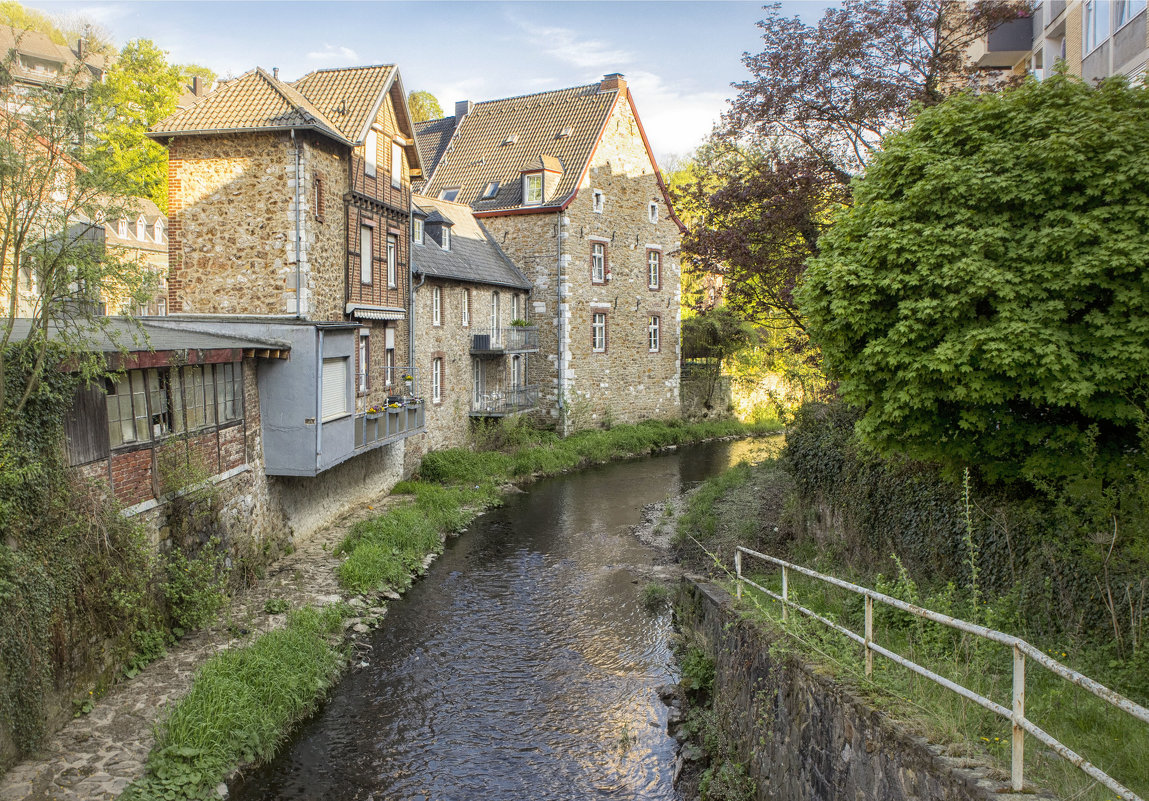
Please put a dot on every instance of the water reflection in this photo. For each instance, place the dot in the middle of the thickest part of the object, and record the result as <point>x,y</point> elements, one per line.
<point>522,666</point>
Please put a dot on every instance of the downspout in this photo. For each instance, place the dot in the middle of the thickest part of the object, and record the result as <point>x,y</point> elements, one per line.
<point>318,396</point>
<point>559,313</point>
<point>411,324</point>
<point>298,232</point>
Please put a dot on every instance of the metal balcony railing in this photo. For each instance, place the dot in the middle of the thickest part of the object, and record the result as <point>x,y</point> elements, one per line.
<point>512,339</point>
<point>402,414</point>
<point>504,402</point>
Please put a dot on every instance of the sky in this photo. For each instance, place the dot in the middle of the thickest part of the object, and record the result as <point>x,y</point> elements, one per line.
<point>679,58</point>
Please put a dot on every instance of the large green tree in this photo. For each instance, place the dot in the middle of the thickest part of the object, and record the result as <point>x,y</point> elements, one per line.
<point>985,300</point>
<point>139,90</point>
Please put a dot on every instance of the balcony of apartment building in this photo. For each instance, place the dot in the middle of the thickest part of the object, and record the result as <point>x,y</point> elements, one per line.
<point>1005,46</point>
<point>505,402</point>
<point>495,342</point>
<point>402,414</point>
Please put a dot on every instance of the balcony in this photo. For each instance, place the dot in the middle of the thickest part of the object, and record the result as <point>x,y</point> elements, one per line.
<point>1004,46</point>
<point>505,402</point>
<point>400,416</point>
<point>497,341</point>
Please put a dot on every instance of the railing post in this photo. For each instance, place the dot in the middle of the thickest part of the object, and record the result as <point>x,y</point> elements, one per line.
<point>1018,767</point>
<point>738,572</point>
<point>869,635</point>
<point>785,594</point>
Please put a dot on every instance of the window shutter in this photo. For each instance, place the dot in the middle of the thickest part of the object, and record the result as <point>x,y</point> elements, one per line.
<point>334,388</point>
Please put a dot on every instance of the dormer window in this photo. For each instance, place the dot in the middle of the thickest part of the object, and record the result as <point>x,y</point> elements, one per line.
<point>449,194</point>
<point>122,229</point>
<point>141,229</point>
<point>159,230</point>
<point>446,237</point>
<point>417,231</point>
<point>490,191</point>
<point>598,199</point>
<point>533,188</point>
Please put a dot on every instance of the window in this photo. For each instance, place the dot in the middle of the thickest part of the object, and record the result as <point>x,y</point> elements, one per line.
<point>653,333</point>
<point>364,361</point>
<point>533,189</point>
<point>396,165</point>
<point>1094,24</point>
<point>516,371</point>
<point>389,355</point>
<point>199,396</point>
<point>334,389</point>
<point>653,269</point>
<point>371,152</point>
<point>417,231</point>
<point>652,212</point>
<point>446,237</point>
<point>597,201</point>
<point>515,307</point>
<point>465,304</point>
<point>598,262</point>
<point>436,306</point>
<point>158,228</point>
<point>1125,10</point>
<point>365,255</point>
<point>392,246</point>
<point>127,410</point>
<point>141,229</point>
<point>122,229</point>
<point>436,380</point>
<point>598,332</point>
<point>449,194</point>
<point>491,190</point>
<point>229,391</point>
<point>317,202</point>
<point>162,307</point>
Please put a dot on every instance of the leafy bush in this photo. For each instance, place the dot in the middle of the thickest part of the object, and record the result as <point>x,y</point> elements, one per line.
<point>195,586</point>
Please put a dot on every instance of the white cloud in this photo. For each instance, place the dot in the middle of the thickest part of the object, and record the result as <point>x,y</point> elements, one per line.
<point>334,54</point>
<point>569,47</point>
<point>676,118</point>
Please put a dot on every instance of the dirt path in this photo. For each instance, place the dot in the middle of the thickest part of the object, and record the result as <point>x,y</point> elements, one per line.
<point>96,756</point>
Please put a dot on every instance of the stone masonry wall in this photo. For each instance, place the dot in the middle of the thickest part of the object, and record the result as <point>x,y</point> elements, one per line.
<point>324,234</point>
<point>804,736</point>
<point>627,382</point>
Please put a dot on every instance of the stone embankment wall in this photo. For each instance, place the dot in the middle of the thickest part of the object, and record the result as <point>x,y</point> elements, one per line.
<point>805,737</point>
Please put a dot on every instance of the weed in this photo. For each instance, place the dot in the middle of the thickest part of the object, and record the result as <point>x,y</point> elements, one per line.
<point>276,606</point>
<point>655,596</point>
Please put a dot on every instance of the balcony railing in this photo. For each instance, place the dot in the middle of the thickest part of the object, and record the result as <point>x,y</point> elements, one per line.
<point>504,402</point>
<point>401,415</point>
<point>513,339</point>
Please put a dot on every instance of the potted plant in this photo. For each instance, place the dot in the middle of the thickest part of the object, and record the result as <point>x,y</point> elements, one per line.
<point>518,323</point>
<point>408,379</point>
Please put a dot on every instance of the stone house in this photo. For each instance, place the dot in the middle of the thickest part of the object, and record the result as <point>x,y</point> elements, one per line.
<point>140,236</point>
<point>470,317</point>
<point>289,213</point>
<point>567,185</point>
<point>34,63</point>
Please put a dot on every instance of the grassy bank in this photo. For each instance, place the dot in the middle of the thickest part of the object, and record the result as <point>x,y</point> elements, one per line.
<point>758,507</point>
<point>243,703</point>
<point>455,485</point>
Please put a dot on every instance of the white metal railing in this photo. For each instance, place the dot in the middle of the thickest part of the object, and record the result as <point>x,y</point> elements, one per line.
<point>1021,651</point>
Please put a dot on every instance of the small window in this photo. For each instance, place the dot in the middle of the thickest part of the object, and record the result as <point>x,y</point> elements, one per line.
<point>510,140</point>
<point>141,229</point>
<point>158,228</point>
<point>371,152</point>
<point>652,212</point>
<point>446,237</point>
<point>515,308</point>
<point>162,307</point>
<point>392,248</point>
<point>396,165</point>
<point>364,361</point>
<point>653,269</point>
<point>533,189</point>
<point>365,254</point>
<point>495,317</point>
<point>599,198</point>
<point>436,306</point>
<point>122,229</point>
<point>598,263</point>
<point>229,391</point>
<point>491,190</point>
<point>566,131</point>
<point>449,194</point>
<point>417,231</point>
<point>465,304</point>
<point>436,380</point>
<point>317,201</point>
<point>598,332</point>
<point>653,333</point>
<point>334,389</point>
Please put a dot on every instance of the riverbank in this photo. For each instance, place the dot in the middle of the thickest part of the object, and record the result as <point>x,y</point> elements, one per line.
<point>96,756</point>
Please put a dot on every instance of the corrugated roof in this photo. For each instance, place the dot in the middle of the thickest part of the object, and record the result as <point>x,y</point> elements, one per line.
<point>254,101</point>
<point>115,334</point>
<point>347,96</point>
<point>495,140</point>
<point>474,254</point>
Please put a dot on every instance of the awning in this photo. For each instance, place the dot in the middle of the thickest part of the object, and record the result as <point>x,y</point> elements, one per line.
<point>376,312</point>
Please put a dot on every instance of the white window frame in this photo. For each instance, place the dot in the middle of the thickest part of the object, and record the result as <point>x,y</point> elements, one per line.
<point>449,195</point>
<point>653,269</point>
<point>396,165</point>
<point>436,305</point>
<point>122,229</point>
<point>598,262</point>
<point>158,230</point>
<point>446,237</point>
<point>654,333</point>
<point>1093,35</point>
<point>364,361</point>
<point>437,380</point>
<point>652,212</point>
<point>465,305</point>
<point>598,332</point>
<point>530,198</point>
<point>515,307</point>
<point>490,191</point>
<point>417,231</point>
<point>392,255</point>
<point>141,229</point>
<point>366,254</point>
<point>598,201</point>
<point>371,153</point>
<point>496,334</point>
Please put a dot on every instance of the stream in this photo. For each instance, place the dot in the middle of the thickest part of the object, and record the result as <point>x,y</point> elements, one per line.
<point>522,666</point>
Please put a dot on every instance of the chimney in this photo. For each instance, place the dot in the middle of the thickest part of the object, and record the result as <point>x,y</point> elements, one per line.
<point>197,85</point>
<point>81,47</point>
<point>275,73</point>
<point>613,81</point>
<point>462,109</point>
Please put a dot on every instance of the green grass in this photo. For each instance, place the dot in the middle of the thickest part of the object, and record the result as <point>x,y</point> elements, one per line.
<point>455,485</point>
<point>242,704</point>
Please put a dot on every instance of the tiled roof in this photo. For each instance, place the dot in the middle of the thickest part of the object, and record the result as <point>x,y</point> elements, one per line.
<point>347,96</point>
<point>474,255</point>
<point>495,140</point>
<point>40,46</point>
<point>256,101</point>
<point>433,136</point>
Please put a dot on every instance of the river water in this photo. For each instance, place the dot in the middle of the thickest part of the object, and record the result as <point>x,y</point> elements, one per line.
<point>522,666</point>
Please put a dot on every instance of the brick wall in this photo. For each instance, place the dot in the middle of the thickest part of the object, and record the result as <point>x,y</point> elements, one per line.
<point>131,474</point>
